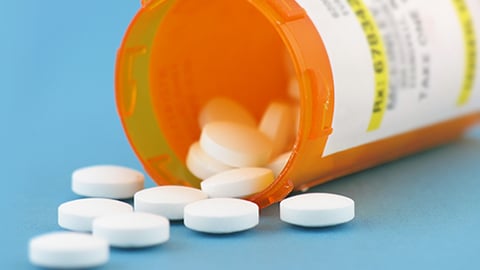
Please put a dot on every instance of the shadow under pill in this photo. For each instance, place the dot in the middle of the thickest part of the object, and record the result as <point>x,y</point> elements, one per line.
<point>270,211</point>
<point>176,223</point>
<point>222,235</point>
<point>130,250</point>
<point>326,229</point>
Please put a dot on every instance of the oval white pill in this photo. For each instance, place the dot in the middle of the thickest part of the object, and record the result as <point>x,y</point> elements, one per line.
<point>107,181</point>
<point>202,165</point>
<point>167,201</point>
<point>132,230</point>
<point>78,215</point>
<point>235,144</point>
<point>317,209</point>
<point>67,250</point>
<point>225,109</point>
<point>279,163</point>
<point>238,182</point>
<point>278,124</point>
<point>221,215</point>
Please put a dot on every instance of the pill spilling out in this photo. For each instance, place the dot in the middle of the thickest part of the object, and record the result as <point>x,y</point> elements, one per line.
<point>317,210</point>
<point>221,215</point>
<point>234,157</point>
<point>78,215</point>
<point>107,181</point>
<point>132,230</point>
<point>238,182</point>
<point>113,223</point>
<point>68,250</point>
<point>167,201</point>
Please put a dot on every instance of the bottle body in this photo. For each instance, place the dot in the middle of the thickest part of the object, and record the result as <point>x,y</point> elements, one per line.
<point>378,80</point>
<point>418,60</point>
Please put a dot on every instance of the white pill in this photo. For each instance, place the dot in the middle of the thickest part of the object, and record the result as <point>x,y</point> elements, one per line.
<point>78,215</point>
<point>67,250</point>
<point>317,210</point>
<point>279,126</point>
<point>167,201</point>
<point>238,182</point>
<point>221,215</point>
<point>279,163</point>
<point>202,165</point>
<point>225,109</point>
<point>132,230</point>
<point>235,144</point>
<point>107,181</point>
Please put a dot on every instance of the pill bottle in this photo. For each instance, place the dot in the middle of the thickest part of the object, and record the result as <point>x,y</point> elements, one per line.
<point>378,79</point>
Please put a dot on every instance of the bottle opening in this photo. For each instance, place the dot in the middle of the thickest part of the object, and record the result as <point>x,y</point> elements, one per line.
<point>179,54</point>
<point>204,50</point>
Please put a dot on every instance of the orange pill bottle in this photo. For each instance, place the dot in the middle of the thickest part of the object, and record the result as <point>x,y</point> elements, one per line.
<point>378,80</point>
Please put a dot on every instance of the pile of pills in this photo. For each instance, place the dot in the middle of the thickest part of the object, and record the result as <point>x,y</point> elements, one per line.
<point>234,157</point>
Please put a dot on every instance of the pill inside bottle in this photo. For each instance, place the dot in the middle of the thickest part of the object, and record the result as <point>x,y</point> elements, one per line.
<point>179,57</point>
<point>242,68</point>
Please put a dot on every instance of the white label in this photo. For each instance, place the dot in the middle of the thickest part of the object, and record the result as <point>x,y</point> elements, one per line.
<point>398,65</point>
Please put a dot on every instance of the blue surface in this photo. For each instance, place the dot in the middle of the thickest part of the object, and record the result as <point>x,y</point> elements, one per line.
<point>57,113</point>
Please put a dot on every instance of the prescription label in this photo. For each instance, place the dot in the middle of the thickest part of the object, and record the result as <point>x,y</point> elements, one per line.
<point>398,65</point>
<point>379,60</point>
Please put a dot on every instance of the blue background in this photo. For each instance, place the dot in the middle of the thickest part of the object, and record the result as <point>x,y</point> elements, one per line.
<point>57,113</point>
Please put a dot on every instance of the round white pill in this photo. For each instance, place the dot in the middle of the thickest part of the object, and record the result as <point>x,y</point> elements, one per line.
<point>78,215</point>
<point>132,230</point>
<point>202,165</point>
<point>107,181</point>
<point>278,124</point>
<point>221,215</point>
<point>279,163</point>
<point>235,144</point>
<point>238,182</point>
<point>167,201</point>
<point>67,250</point>
<point>317,210</point>
<point>225,109</point>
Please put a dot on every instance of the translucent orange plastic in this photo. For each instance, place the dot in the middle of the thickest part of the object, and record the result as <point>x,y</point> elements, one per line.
<point>177,54</point>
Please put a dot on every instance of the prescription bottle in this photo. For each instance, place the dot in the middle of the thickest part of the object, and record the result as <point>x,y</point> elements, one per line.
<point>378,79</point>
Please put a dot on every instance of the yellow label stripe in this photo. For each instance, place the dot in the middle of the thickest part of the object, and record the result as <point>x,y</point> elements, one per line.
<point>470,42</point>
<point>379,60</point>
